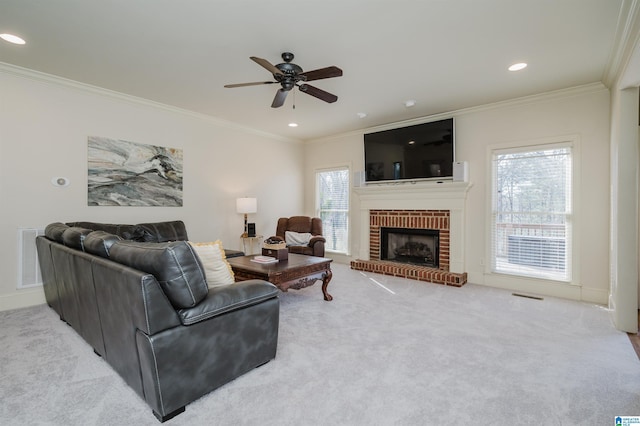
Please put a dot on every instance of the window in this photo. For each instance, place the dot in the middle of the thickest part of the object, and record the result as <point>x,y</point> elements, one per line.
<point>332,206</point>
<point>531,214</point>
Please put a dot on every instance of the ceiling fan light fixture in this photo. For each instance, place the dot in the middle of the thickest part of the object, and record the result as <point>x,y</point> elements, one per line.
<point>11,38</point>
<point>517,67</point>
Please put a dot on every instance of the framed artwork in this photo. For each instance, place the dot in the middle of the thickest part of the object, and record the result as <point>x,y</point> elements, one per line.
<point>122,173</point>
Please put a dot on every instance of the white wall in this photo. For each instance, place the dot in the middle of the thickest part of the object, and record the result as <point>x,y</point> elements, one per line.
<point>44,125</point>
<point>581,112</point>
<point>623,299</point>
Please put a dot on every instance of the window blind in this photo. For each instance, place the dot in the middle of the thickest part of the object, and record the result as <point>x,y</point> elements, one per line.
<point>531,217</point>
<point>333,207</point>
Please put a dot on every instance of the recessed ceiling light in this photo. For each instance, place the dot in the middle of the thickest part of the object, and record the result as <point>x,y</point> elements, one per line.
<point>517,67</point>
<point>409,103</point>
<point>412,142</point>
<point>293,124</point>
<point>361,114</point>
<point>12,38</point>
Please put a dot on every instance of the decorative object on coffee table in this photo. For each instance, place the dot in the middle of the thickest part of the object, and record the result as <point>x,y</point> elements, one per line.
<point>280,254</point>
<point>245,206</point>
<point>274,244</point>
<point>275,248</point>
<point>297,272</point>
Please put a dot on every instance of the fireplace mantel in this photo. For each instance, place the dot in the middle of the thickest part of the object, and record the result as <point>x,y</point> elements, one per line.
<point>446,193</point>
<point>417,196</point>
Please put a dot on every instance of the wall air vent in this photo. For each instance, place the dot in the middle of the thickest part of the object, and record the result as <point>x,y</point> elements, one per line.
<point>28,266</point>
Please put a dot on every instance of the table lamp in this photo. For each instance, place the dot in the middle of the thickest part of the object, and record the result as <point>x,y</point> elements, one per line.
<point>246,206</point>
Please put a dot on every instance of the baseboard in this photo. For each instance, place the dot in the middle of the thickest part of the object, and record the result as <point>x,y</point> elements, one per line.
<point>541,287</point>
<point>344,259</point>
<point>595,295</point>
<point>22,299</point>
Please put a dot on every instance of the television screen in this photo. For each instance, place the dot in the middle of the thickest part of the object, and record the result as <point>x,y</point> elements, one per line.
<point>422,151</point>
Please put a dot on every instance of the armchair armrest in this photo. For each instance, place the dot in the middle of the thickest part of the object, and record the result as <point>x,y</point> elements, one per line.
<point>317,244</point>
<point>316,239</point>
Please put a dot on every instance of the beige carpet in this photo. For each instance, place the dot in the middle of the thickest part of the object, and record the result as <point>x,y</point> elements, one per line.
<point>404,353</point>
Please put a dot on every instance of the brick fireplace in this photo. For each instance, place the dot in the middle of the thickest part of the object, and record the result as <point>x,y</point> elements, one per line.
<point>410,219</point>
<point>430,207</point>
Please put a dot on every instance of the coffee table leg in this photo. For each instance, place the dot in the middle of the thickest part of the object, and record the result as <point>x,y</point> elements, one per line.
<point>325,282</point>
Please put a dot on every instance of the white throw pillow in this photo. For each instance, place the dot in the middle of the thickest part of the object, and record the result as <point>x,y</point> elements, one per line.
<point>217,270</point>
<point>297,238</point>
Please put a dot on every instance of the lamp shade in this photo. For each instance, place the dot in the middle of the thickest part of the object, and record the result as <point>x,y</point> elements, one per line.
<point>246,205</point>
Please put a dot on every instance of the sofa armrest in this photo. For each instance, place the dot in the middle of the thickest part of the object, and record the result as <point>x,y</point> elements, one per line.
<point>232,253</point>
<point>228,298</point>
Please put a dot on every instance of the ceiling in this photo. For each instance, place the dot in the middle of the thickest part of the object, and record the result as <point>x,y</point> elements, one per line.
<point>444,54</point>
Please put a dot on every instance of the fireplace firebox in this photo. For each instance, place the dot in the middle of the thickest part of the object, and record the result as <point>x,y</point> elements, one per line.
<point>409,245</point>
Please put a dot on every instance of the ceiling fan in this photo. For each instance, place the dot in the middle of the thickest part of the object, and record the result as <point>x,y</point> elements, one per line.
<point>290,75</point>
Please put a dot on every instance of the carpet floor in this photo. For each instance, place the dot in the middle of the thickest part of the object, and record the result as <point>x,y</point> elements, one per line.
<point>385,351</point>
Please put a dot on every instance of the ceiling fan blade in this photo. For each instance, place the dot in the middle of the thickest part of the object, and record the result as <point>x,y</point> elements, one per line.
<point>328,72</point>
<point>267,65</point>
<point>228,86</point>
<point>318,93</point>
<point>278,101</point>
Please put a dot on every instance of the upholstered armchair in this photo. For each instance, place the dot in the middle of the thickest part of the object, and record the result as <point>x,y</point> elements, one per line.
<point>302,234</point>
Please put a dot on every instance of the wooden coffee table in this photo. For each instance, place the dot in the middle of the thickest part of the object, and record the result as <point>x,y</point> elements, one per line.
<point>299,271</point>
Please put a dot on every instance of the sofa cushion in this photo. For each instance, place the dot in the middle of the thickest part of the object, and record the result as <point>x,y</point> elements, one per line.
<point>229,298</point>
<point>216,268</point>
<point>54,231</point>
<point>161,232</point>
<point>125,231</point>
<point>174,264</point>
<point>74,236</point>
<point>99,243</point>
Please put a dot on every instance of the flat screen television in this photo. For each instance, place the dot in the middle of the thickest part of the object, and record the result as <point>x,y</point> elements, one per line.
<point>419,152</point>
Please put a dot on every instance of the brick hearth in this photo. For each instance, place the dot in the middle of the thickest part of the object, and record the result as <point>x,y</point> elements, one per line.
<point>412,219</point>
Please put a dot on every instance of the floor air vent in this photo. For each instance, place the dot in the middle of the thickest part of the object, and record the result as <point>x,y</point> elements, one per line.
<point>28,267</point>
<point>528,296</point>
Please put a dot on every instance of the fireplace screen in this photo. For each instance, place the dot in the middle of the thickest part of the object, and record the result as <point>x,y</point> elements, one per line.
<point>415,246</point>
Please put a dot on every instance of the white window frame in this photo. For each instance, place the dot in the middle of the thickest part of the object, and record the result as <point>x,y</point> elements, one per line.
<point>524,281</point>
<point>346,168</point>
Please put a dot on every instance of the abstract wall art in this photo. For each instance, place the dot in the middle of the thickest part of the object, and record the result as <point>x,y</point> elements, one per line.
<point>122,173</point>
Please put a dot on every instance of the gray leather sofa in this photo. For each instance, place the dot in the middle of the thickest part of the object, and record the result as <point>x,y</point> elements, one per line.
<point>137,294</point>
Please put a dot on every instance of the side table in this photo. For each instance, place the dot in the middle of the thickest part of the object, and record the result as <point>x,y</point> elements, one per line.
<point>257,239</point>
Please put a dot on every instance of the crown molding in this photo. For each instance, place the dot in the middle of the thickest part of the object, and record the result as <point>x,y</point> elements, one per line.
<point>87,88</point>
<point>625,42</point>
<point>30,74</point>
<point>540,97</point>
